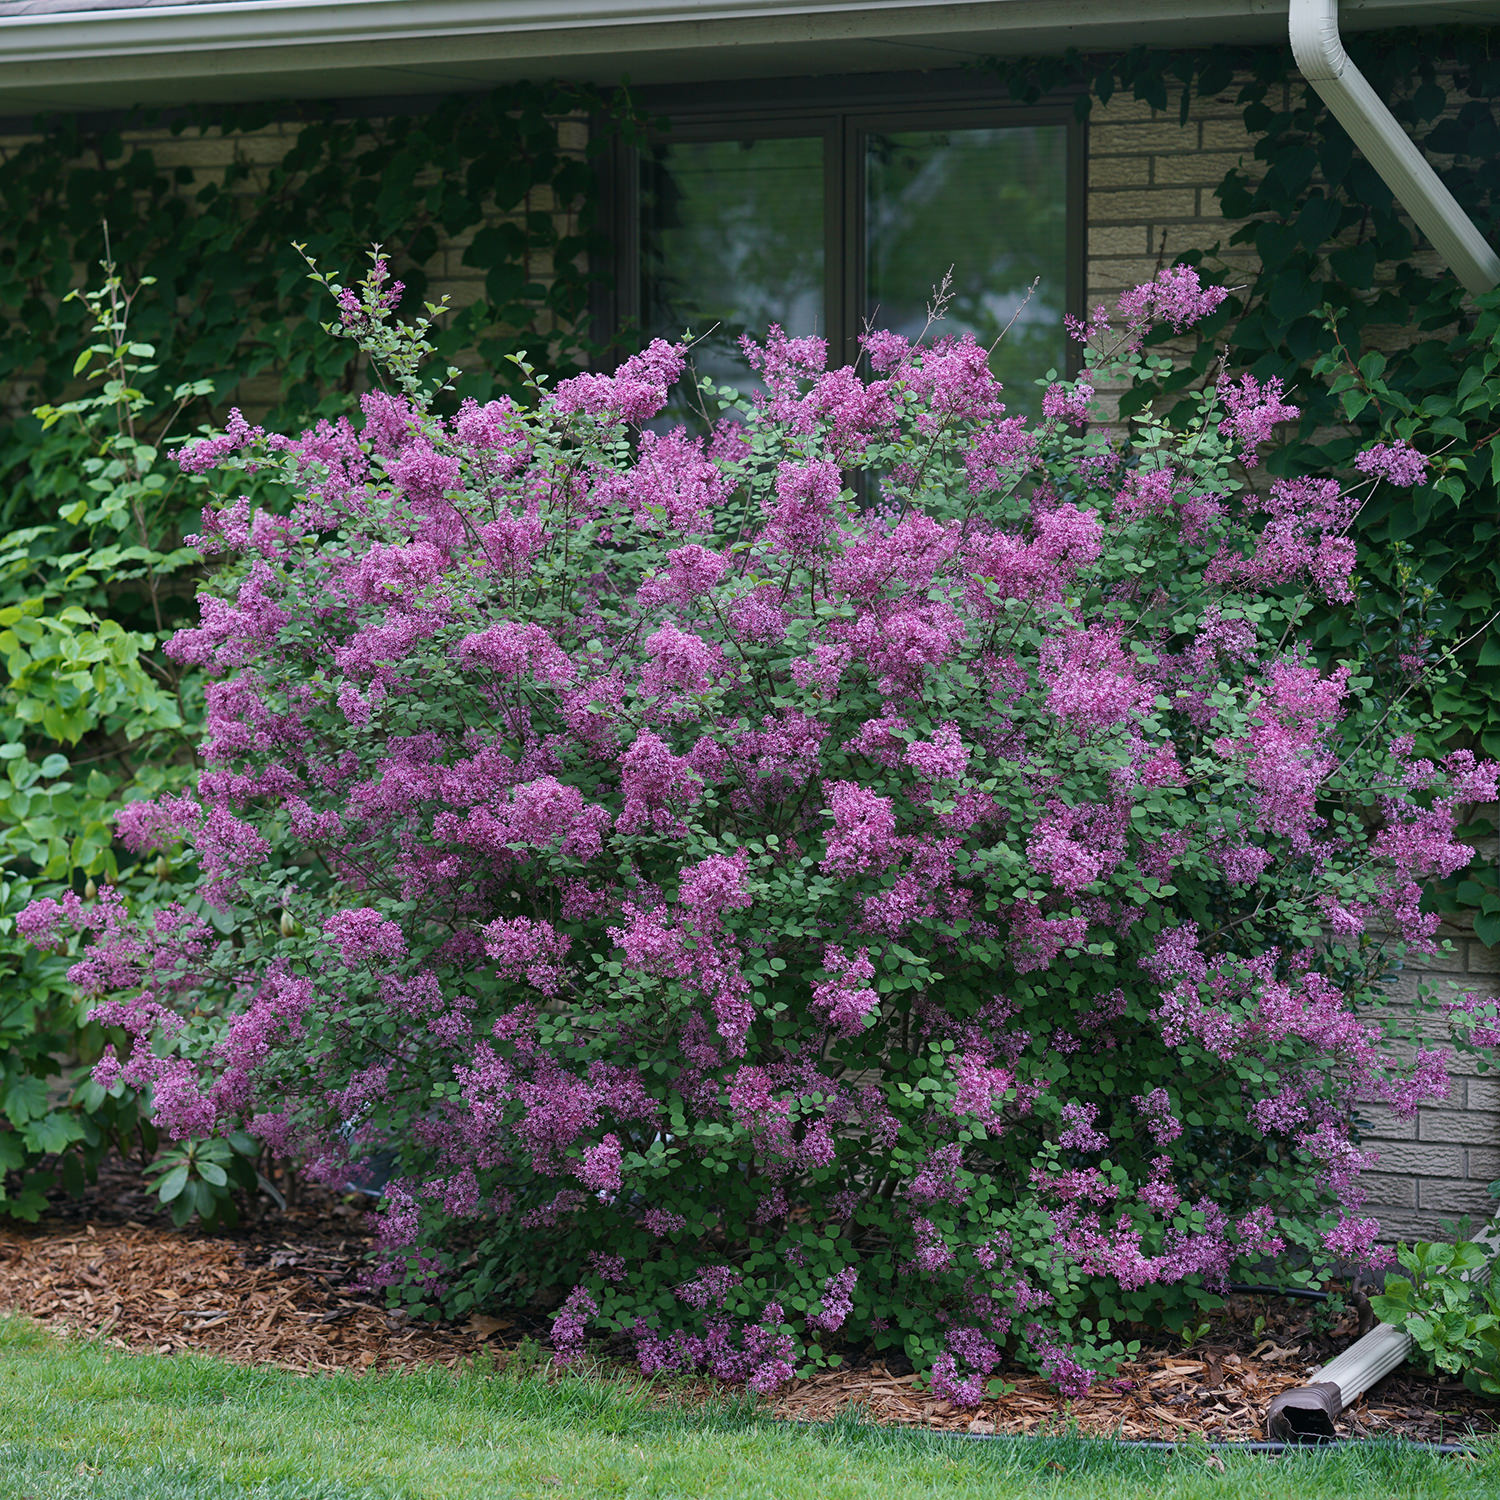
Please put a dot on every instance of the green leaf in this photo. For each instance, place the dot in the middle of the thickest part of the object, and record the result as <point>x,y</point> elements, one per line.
<point>171,1186</point>
<point>24,1098</point>
<point>1468,1257</point>
<point>12,1151</point>
<point>53,1133</point>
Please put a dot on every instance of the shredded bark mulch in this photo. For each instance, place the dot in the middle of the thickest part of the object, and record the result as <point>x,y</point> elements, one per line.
<point>281,1294</point>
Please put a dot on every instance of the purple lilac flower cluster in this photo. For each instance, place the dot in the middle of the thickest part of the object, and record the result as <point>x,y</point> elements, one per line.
<point>779,909</point>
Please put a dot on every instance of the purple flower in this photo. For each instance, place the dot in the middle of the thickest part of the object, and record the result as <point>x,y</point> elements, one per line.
<point>361,933</point>
<point>570,1325</point>
<point>1399,463</point>
<point>1253,410</point>
<point>838,1301</point>
<point>601,1166</point>
<point>1078,1132</point>
<point>1175,297</point>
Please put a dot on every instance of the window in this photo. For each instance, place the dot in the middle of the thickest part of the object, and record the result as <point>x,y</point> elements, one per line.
<point>826,219</point>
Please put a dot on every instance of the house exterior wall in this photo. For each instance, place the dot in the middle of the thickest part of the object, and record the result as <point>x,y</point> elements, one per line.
<point>1150,182</point>
<point>1150,188</point>
<point>1439,1165</point>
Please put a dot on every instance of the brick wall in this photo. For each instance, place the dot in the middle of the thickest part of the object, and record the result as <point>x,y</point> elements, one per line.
<point>1439,1165</point>
<point>1150,188</point>
<point>1150,191</point>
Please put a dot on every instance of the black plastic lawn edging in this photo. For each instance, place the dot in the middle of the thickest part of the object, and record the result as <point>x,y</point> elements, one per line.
<point>1310,1294</point>
<point>1165,1445</point>
<point>1224,1445</point>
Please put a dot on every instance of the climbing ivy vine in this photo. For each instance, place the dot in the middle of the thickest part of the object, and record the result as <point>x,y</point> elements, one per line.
<point>1345,311</point>
<point>487,171</point>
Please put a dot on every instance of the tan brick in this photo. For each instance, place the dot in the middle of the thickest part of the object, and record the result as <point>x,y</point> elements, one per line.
<point>1449,959</point>
<point>1228,135</point>
<point>1421,1160</point>
<point>1118,171</point>
<point>1443,1196</point>
<point>1227,101</point>
<point>1124,240</point>
<point>200,152</point>
<point>1142,207</point>
<point>461,293</point>
<point>1462,1065</point>
<point>1383,1191</point>
<point>1115,140</point>
<point>1464,1127</point>
<point>1203,168</point>
<point>1481,960</point>
<point>1108,276</point>
<point>1123,108</point>
<point>1407,1224</point>
<point>1378,1125</point>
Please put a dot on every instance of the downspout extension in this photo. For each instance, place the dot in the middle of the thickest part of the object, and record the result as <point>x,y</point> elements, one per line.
<point>1320,54</point>
<point>1308,1413</point>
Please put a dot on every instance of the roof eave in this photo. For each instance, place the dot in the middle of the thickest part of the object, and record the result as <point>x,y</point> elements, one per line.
<point>269,48</point>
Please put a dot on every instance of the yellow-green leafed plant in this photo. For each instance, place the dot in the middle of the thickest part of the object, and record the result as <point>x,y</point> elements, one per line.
<point>91,716</point>
<point>1450,1307</point>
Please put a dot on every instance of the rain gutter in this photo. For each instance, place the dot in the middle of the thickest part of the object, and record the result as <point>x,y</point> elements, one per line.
<point>1320,54</point>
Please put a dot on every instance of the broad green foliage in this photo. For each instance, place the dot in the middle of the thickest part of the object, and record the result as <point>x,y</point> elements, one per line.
<point>1451,1307</point>
<point>92,570</point>
<point>201,1177</point>
<point>90,717</point>
<point>92,507</point>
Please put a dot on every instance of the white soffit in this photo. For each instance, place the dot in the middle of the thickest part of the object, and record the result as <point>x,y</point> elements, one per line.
<point>81,54</point>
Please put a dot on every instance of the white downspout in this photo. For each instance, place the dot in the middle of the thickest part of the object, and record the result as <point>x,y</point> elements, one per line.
<point>1314,27</point>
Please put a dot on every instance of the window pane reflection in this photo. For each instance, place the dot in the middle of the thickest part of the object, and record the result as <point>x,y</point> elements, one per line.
<point>992,203</point>
<point>732,233</point>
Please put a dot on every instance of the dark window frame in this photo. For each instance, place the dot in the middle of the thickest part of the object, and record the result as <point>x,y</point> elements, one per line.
<point>843,111</point>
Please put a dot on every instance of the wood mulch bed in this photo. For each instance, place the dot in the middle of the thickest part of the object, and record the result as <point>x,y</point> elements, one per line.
<point>280,1294</point>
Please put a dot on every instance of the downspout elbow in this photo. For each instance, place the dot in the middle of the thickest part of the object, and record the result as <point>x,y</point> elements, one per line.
<point>1319,51</point>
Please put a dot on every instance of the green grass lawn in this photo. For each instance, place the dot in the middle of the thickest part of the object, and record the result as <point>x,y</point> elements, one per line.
<point>80,1420</point>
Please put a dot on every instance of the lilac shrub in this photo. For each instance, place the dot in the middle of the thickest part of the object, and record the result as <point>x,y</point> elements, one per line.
<point>873,869</point>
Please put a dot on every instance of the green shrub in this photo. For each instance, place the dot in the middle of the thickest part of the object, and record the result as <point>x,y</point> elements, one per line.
<point>91,716</point>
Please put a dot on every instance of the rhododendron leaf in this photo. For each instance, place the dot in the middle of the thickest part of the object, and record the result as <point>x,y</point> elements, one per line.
<point>172,1183</point>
